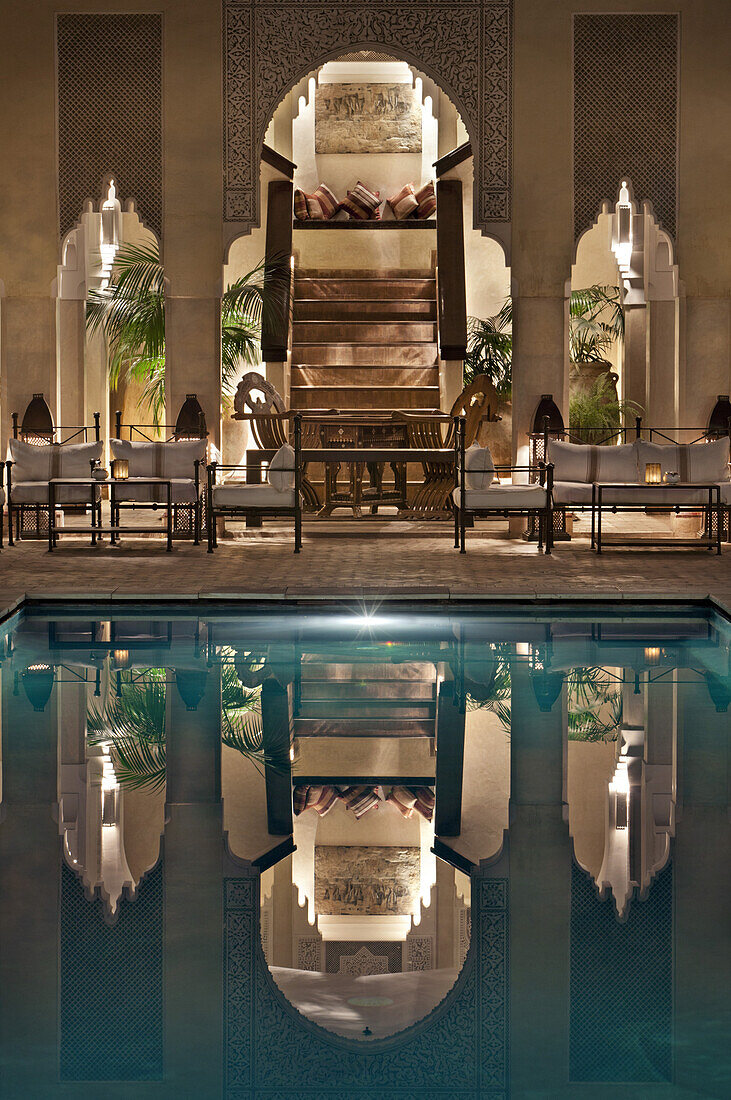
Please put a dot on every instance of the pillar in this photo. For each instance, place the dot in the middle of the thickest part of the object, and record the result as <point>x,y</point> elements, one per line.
<point>540,894</point>
<point>707,357</point>
<point>635,357</point>
<point>30,868</point>
<point>70,354</point>
<point>542,243</point>
<point>192,237</point>
<point>29,226</point>
<point>282,913</point>
<point>702,892</point>
<point>447,126</point>
<point>662,400</point>
<point>193,853</point>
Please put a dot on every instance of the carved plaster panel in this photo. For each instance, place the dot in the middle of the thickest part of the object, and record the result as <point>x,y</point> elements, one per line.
<point>463,45</point>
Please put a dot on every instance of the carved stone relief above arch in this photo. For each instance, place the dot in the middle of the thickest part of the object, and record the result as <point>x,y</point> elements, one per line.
<point>465,47</point>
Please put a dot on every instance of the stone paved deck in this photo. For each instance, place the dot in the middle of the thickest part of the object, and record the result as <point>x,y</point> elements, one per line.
<point>357,565</point>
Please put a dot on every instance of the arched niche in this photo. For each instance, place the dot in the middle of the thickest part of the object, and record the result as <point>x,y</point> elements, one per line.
<point>269,51</point>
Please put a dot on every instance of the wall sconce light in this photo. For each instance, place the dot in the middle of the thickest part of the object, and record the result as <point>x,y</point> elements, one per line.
<point>619,788</point>
<point>653,473</point>
<point>120,469</point>
<point>37,427</point>
<point>622,235</point>
<point>38,685</point>
<point>652,655</point>
<point>191,422</point>
<point>121,658</point>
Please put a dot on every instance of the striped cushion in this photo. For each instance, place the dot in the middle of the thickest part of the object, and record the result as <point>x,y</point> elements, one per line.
<point>360,799</point>
<point>424,802</point>
<point>301,212</point>
<point>403,203</point>
<point>321,799</point>
<point>314,210</point>
<point>427,201</point>
<point>328,203</point>
<point>299,798</point>
<point>362,203</point>
<point>403,799</point>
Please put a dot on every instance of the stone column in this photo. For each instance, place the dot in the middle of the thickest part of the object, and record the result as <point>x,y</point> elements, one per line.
<point>71,345</point>
<point>702,891</point>
<point>540,893</point>
<point>30,867</point>
<point>192,237</point>
<point>662,400</point>
<point>29,225</point>
<point>635,357</point>
<point>707,357</point>
<point>282,914</point>
<point>447,126</point>
<point>542,237</point>
<point>193,855</point>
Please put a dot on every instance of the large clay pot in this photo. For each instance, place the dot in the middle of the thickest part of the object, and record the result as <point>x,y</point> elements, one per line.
<point>583,377</point>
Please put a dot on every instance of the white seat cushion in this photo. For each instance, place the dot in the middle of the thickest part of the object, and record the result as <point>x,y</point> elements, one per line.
<point>35,464</point>
<point>182,491</point>
<point>36,492</point>
<point>479,467</point>
<point>281,469</point>
<point>233,494</point>
<point>693,461</point>
<point>571,492</point>
<point>503,496</point>
<point>577,462</point>
<point>175,459</point>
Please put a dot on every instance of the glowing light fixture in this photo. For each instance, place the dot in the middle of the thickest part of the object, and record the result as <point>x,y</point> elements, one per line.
<point>653,473</point>
<point>619,787</point>
<point>622,236</point>
<point>120,469</point>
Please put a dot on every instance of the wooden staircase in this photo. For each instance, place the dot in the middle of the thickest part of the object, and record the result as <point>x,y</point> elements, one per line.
<point>364,340</point>
<point>338,699</point>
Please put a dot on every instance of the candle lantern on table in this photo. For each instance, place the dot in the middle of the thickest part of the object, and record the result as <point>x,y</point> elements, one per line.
<point>653,473</point>
<point>120,469</point>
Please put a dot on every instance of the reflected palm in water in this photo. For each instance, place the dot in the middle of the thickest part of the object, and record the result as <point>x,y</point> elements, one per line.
<point>385,784</point>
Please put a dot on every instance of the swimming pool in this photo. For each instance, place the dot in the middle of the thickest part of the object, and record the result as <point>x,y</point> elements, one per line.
<point>454,850</point>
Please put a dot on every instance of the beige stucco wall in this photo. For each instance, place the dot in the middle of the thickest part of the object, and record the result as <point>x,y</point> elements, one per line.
<point>542,244</point>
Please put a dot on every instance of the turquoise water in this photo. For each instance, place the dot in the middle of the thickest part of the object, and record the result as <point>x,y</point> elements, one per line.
<point>370,850</point>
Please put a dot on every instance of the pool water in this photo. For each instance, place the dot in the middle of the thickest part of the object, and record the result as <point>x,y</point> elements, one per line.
<point>365,850</point>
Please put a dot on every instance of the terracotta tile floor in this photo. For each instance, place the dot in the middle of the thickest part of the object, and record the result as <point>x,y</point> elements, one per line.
<point>356,561</point>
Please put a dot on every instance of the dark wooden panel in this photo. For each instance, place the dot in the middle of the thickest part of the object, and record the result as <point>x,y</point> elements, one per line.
<point>275,328</point>
<point>451,293</point>
<point>276,727</point>
<point>450,762</point>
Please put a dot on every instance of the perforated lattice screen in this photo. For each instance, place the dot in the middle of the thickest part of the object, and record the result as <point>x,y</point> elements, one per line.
<point>621,984</point>
<point>334,949</point>
<point>111,991</point>
<point>109,112</point>
<point>625,112</point>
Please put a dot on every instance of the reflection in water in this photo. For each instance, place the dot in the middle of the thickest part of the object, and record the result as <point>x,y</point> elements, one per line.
<point>514,829</point>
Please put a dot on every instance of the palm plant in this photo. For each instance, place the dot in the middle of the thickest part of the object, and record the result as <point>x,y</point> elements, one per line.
<point>599,408</point>
<point>596,321</point>
<point>130,312</point>
<point>490,349</point>
<point>133,724</point>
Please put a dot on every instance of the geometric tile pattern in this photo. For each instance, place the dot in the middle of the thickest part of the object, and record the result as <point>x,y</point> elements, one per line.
<point>625,113</point>
<point>109,112</point>
<point>621,984</point>
<point>111,984</point>
<point>337,951</point>
<point>463,45</point>
<point>458,1052</point>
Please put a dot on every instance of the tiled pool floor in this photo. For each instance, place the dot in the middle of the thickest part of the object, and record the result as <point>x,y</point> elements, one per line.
<point>359,564</point>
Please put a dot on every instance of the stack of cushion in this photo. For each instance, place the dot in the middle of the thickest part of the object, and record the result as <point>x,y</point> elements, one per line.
<point>410,203</point>
<point>410,800</point>
<point>576,466</point>
<point>321,205</point>
<point>361,799</point>
<point>361,203</point>
<point>34,466</point>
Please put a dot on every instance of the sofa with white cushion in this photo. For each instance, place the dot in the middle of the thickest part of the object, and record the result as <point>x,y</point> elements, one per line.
<point>30,467</point>
<point>179,461</point>
<point>479,491</point>
<point>238,496</point>
<point>577,466</point>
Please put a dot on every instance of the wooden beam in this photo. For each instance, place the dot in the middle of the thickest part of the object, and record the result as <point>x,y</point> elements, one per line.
<point>275,326</point>
<point>276,160</point>
<point>451,291</point>
<point>450,762</point>
<point>453,158</point>
<point>276,724</point>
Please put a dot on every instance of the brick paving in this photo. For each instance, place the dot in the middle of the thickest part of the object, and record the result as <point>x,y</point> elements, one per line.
<point>358,563</point>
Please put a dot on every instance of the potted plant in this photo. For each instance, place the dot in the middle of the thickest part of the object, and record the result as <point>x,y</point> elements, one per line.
<point>596,322</point>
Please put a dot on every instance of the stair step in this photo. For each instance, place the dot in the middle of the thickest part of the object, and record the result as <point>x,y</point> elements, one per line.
<point>359,309</point>
<point>364,355</point>
<point>316,691</point>
<point>362,289</point>
<point>336,670</point>
<point>364,727</point>
<point>350,274</point>
<point>336,710</point>
<point>363,332</point>
<point>332,374</point>
<point>380,397</point>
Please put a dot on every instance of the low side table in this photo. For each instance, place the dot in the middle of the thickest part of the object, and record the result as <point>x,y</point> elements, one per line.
<point>97,526</point>
<point>639,498</point>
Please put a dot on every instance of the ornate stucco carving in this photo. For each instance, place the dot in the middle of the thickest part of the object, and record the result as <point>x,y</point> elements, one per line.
<point>463,45</point>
